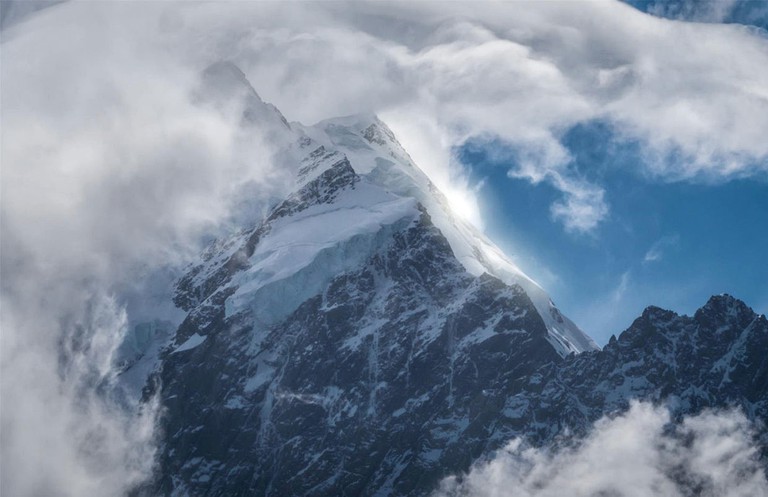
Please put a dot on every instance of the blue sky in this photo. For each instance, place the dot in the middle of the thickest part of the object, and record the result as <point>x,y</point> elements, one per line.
<point>747,12</point>
<point>665,242</point>
<point>671,244</point>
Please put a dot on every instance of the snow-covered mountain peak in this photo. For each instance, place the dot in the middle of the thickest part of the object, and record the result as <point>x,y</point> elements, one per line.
<point>224,85</point>
<point>374,152</point>
<point>371,134</point>
<point>345,168</point>
<point>363,138</point>
<point>361,339</point>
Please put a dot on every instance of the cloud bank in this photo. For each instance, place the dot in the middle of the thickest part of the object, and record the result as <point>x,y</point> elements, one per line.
<point>114,171</point>
<point>114,168</point>
<point>692,95</point>
<point>636,454</point>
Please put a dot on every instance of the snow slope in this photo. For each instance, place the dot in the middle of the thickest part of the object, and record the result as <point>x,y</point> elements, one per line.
<point>361,339</point>
<point>297,255</point>
<point>375,153</point>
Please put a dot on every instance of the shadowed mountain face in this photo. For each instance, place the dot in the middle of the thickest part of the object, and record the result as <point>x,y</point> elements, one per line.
<point>715,359</point>
<point>379,384</point>
<point>362,340</point>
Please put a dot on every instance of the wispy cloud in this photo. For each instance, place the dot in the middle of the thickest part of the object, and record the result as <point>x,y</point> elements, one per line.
<point>583,205</point>
<point>621,289</point>
<point>459,70</point>
<point>632,455</point>
<point>656,252</point>
<point>525,75</point>
<point>112,169</point>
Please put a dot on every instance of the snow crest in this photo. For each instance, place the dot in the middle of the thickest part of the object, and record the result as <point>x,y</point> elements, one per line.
<point>375,154</point>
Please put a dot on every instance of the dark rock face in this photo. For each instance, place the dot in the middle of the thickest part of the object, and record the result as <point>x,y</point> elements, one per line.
<point>717,358</point>
<point>382,375</point>
<point>209,280</point>
<point>316,406</point>
<point>409,369</point>
<point>324,189</point>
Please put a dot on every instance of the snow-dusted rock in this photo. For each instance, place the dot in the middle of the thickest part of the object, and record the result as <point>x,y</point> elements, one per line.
<point>363,340</point>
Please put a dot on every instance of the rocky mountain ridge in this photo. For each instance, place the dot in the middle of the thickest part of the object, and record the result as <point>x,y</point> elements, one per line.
<point>362,340</point>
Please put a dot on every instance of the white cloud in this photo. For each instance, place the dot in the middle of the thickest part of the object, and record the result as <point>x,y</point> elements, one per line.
<point>112,167</point>
<point>59,436</point>
<point>632,455</point>
<point>656,251</point>
<point>621,289</point>
<point>691,93</point>
<point>583,205</point>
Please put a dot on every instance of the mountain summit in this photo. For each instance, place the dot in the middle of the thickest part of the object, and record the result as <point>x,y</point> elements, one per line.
<point>360,339</point>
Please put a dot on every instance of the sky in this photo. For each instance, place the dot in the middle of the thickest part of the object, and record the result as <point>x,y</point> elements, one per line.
<point>618,155</point>
<point>669,242</point>
<point>672,244</point>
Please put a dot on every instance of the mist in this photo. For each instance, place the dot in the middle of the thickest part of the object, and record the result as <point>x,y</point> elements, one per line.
<point>116,172</point>
<point>636,454</point>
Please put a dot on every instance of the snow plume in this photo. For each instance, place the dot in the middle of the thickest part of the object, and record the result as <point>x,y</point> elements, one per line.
<point>63,433</point>
<point>636,454</point>
<point>115,165</point>
<point>690,95</point>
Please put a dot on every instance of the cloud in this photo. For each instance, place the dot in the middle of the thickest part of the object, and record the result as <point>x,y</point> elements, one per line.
<point>691,94</point>
<point>583,205</point>
<point>113,168</point>
<point>621,289</point>
<point>59,436</point>
<point>631,455</point>
<point>656,251</point>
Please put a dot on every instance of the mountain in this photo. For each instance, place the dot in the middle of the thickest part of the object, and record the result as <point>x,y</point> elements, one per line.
<point>713,359</point>
<point>360,339</point>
